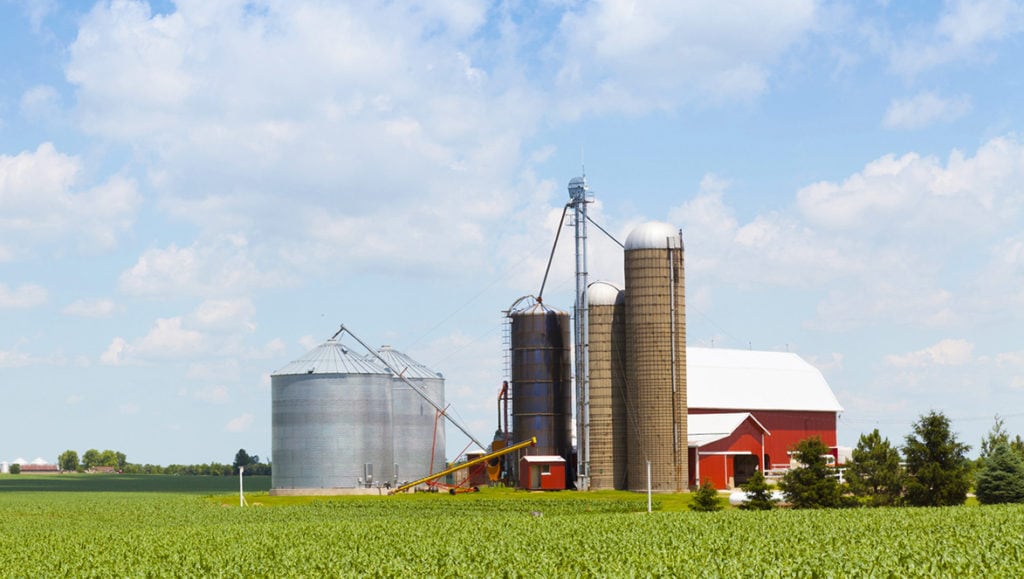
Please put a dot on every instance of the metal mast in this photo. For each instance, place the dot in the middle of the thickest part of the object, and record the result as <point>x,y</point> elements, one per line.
<point>578,201</point>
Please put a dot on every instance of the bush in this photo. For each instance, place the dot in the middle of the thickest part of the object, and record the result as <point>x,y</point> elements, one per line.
<point>15,468</point>
<point>706,498</point>
<point>759,496</point>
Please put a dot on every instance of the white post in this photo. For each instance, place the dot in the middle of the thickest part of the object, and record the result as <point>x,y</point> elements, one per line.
<point>648,487</point>
<point>241,490</point>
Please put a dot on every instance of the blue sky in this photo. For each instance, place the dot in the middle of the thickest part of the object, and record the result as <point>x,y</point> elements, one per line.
<point>193,194</point>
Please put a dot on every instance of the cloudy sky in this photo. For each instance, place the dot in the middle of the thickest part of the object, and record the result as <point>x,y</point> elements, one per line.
<point>193,194</point>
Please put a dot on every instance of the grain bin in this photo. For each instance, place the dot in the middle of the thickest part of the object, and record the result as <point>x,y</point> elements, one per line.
<point>331,422</point>
<point>413,418</point>
<point>541,380</point>
<point>607,340</point>
<point>656,358</point>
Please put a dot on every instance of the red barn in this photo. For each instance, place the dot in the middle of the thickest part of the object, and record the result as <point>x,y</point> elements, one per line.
<point>787,400</point>
<point>542,472</point>
<point>725,448</point>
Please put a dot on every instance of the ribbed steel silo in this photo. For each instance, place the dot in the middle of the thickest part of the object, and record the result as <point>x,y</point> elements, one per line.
<point>607,346</point>
<point>331,422</point>
<point>541,380</point>
<point>656,358</point>
<point>417,434</point>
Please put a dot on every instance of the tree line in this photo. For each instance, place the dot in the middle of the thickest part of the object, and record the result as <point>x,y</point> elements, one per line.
<point>69,461</point>
<point>931,468</point>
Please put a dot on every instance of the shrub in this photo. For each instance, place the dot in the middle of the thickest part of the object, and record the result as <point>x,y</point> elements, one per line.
<point>759,496</point>
<point>706,498</point>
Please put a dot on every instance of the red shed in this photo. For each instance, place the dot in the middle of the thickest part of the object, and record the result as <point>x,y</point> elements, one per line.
<point>786,395</point>
<point>725,448</point>
<point>542,472</point>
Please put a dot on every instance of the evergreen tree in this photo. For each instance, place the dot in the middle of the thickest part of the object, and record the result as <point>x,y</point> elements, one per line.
<point>1001,479</point>
<point>995,437</point>
<point>874,472</point>
<point>813,484</point>
<point>938,472</point>
<point>706,498</point>
<point>759,495</point>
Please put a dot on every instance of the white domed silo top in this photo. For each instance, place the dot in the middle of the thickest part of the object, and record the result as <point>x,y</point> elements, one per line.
<point>400,362</point>
<point>331,357</point>
<point>653,235</point>
<point>603,293</point>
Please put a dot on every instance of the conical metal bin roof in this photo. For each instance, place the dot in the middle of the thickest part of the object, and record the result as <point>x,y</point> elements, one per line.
<point>404,364</point>
<point>331,357</point>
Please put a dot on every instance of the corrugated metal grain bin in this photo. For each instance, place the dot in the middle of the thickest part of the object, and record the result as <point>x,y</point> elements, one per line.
<point>414,419</point>
<point>331,421</point>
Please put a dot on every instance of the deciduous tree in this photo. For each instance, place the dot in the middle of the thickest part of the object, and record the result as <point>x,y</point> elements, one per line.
<point>68,460</point>
<point>91,458</point>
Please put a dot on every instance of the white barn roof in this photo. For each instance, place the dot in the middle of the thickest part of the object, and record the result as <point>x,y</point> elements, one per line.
<point>752,380</point>
<point>704,429</point>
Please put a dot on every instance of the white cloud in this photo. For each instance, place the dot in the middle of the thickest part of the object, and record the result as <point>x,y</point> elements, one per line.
<point>115,353</point>
<point>772,248</point>
<point>213,394</point>
<point>227,314</point>
<point>74,399</point>
<point>15,359</point>
<point>41,202</point>
<point>221,266</point>
<point>948,352</point>
<point>635,56</point>
<point>166,340</point>
<point>963,31</point>
<point>239,424</point>
<point>924,109</point>
<point>913,193</point>
<point>211,338</point>
<point>22,297</point>
<point>37,11</point>
<point>129,408</point>
<point>40,102</point>
<point>94,308</point>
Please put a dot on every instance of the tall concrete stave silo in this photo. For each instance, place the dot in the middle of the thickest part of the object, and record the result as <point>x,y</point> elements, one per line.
<point>656,358</point>
<point>418,436</point>
<point>541,380</point>
<point>331,422</point>
<point>608,424</point>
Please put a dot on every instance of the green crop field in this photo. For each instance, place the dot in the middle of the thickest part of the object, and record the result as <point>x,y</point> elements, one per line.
<point>185,532</point>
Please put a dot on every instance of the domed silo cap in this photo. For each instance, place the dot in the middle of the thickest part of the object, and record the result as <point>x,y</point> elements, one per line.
<point>653,235</point>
